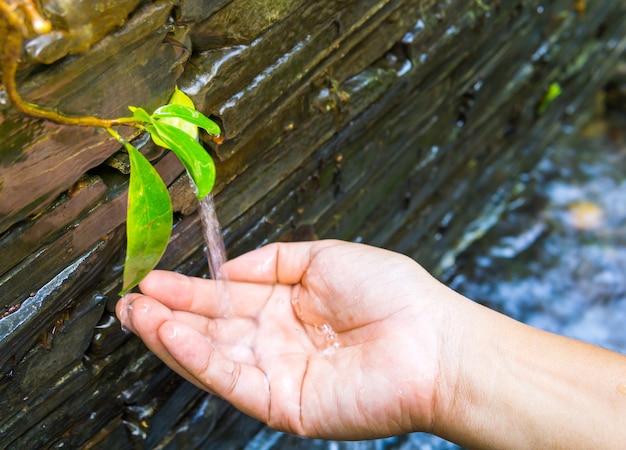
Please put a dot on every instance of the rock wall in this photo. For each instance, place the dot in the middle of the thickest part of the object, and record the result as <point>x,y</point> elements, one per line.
<point>401,123</point>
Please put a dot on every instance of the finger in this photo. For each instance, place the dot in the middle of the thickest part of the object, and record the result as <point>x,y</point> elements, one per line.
<point>121,311</point>
<point>184,293</point>
<point>281,262</point>
<point>196,295</point>
<point>234,336</point>
<point>243,385</point>
<point>143,316</point>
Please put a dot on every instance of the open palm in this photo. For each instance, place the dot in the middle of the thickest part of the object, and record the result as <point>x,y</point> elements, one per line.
<point>326,339</point>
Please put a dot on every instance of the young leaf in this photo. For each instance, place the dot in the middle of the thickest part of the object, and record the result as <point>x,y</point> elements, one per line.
<point>139,114</point>
<point>180,98</point>
<point>189,115</point>
<point>194,157</point>
<point>149,220</point>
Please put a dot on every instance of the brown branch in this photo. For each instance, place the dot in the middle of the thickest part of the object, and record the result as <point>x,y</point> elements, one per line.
<point>16,29</point>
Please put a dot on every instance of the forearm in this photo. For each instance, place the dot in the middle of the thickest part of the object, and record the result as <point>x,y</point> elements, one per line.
<point>519,387</point>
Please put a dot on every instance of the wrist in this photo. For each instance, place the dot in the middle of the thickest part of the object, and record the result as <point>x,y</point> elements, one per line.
<point>459,391</point>
<point>508,385</point>
<point>480,398</point>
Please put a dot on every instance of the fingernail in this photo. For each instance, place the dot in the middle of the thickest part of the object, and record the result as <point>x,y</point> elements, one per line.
<point>172,332</point>
<point>123,318</point>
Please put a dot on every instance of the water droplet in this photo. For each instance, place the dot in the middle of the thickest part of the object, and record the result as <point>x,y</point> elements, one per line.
<point>330,337</point>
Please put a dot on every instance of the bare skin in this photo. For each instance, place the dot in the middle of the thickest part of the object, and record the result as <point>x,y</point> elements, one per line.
<point>337,340</point>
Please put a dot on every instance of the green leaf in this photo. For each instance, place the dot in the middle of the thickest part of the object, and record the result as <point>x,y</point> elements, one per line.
<point>189,115</point>
<point>139,114</point>
<point>149,220</point>
<point>194,157</point>
<point>176,121</point>
<point>180,98</point>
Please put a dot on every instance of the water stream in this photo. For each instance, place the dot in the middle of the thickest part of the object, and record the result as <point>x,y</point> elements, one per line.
<point>215,248</point>
<point>216,256</point>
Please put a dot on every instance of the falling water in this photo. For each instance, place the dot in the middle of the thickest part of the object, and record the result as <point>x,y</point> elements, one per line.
<point>215,248</point>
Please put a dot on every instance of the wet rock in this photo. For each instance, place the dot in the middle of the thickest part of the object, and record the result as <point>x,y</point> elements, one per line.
<point>397,123</point>
<point>197,10</point>
<point>22,240</point>
<point>45,262</point>
<point>242,21</point>
<point>77,25</point>
<point>125,68</point>
<point>183,197</point>
<point>41,310</point>
<point>616,91</point>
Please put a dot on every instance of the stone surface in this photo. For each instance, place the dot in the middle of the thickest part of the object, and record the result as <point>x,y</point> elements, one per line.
<point>405,124</point>
<point>77,25</point>
<point>133,66</point>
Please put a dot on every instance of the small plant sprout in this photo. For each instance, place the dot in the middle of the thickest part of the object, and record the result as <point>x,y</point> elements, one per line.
<point>149,218</point>
<point>173,126</point>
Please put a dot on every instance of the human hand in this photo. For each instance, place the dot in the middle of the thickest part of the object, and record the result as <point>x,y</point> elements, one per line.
<point>323,339</point>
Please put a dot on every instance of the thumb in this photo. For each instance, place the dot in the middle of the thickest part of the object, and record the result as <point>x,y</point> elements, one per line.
<point>281,262</point>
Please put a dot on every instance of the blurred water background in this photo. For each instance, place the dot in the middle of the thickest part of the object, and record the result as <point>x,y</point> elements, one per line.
<point>557,258</point>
